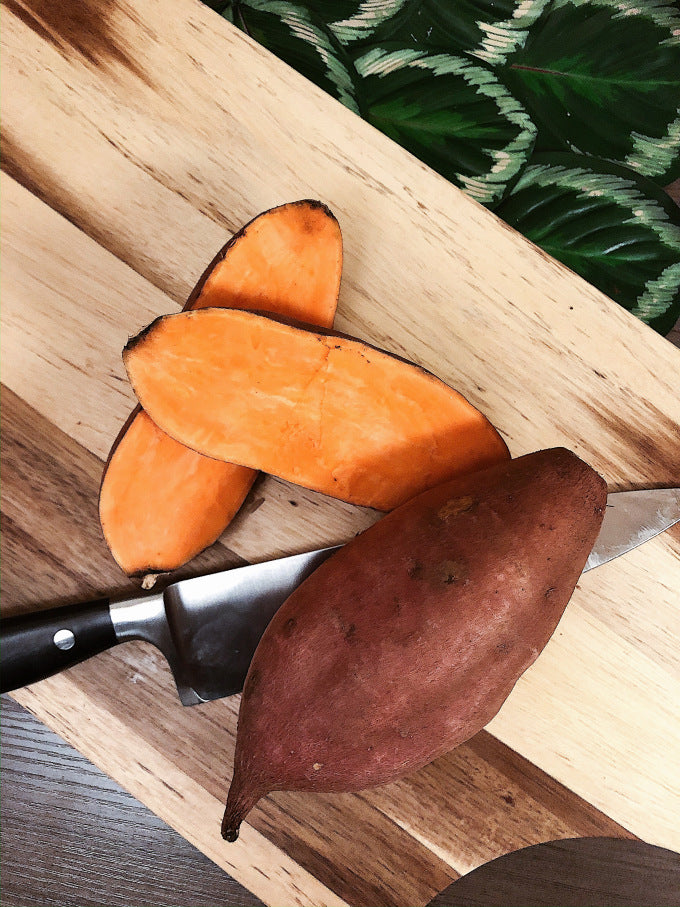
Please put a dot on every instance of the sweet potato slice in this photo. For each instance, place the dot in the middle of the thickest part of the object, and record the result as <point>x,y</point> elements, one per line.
<point>320,409</point>
<point>161,503</point>
<point>408,640</point>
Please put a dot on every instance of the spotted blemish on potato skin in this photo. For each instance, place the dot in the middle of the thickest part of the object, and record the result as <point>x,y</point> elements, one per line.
<point>349,633</point>
<point>348,630</point>
<point>252,683</point>
<point>415,570</point>
<point>455,506</point>
<point>289,626</point>
<point>454,571</point>
<point>442,573</point>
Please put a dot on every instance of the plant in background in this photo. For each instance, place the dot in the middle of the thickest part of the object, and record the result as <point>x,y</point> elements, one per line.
<point>563,116</point>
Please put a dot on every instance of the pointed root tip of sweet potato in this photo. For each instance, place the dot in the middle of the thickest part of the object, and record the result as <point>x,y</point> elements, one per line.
<point>242,797</point>
<point>234,814</point>
<point>230,832</point>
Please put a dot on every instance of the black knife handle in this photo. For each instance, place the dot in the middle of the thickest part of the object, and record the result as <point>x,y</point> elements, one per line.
<point>35,646</point>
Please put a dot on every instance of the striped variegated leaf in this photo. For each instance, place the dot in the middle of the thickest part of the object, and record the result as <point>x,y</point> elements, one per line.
<point>612,226</point>
<point>487,29</point>
<point>603,77</point>
<point>450,112</point>
<point>353,21</point>
<point>297,36</point>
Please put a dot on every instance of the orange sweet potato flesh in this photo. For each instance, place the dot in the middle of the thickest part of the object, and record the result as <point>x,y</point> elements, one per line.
<point>407,641</point>
<point>319,409</point>
<point>162,503</point>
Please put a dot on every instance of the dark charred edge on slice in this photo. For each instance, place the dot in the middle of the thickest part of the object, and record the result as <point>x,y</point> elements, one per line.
<point>136,574</point>
<point>114,447</point>
<point>126,425</point>
<point>138,339</point>
<point>221,255</point>
<point>308,203</point>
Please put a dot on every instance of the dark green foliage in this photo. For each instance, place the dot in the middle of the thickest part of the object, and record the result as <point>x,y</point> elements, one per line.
<point>612,226</point>
<point>478,89</point>
<point>604,83</point>
<point>452,113</point>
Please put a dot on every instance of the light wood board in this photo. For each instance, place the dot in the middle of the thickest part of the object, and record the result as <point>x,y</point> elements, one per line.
<point>134,141</point>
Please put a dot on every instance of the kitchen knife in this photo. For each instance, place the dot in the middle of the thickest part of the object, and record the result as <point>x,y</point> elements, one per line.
<point>208,627</point>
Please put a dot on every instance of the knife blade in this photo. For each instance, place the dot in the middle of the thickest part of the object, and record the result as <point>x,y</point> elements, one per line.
<point>632,518</point>
<point>208,627</point>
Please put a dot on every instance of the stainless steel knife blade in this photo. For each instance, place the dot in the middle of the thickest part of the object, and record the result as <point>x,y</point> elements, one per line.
<point>632,518</point>
<point>208,627</point>
<point>216,621</point>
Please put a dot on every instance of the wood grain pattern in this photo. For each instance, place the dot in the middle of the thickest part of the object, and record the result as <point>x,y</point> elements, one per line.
<point>585,872</point>
<point>470,806</point>
<point>71,835</point>
<point>133,147</point>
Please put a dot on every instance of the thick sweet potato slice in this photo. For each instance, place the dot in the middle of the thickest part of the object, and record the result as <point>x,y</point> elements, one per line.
<point>161,503</point>
<point>320,409</point>
<point>408,640</point>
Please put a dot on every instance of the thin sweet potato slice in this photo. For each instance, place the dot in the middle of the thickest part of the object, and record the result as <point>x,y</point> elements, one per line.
<point>320,409</point>
<point>161,503</point>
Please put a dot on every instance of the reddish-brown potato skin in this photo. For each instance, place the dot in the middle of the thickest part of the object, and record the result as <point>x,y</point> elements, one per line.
<point>408,640</point>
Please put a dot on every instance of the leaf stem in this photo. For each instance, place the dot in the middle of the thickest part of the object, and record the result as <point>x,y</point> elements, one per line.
<point>615,80</point>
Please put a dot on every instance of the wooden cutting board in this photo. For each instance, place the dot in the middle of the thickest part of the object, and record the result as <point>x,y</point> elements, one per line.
<point>137,136</point>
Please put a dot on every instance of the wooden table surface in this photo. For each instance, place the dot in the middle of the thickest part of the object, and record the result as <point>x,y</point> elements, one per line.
<point>137,135</point>
<point>70,835</point>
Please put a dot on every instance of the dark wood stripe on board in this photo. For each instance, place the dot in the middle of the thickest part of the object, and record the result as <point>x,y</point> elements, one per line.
<point>50,486</point>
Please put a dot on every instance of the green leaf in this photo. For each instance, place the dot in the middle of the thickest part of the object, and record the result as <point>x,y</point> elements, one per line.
<point>297,36</point>
<point>603,77</point>
<point>486,29</point>
<point>615,228</point>
<point>353,21</point>
<point>451,113</point>
<point>223,7</point>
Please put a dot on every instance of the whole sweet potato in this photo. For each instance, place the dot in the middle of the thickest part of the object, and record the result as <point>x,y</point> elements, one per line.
<point>408,640</point>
